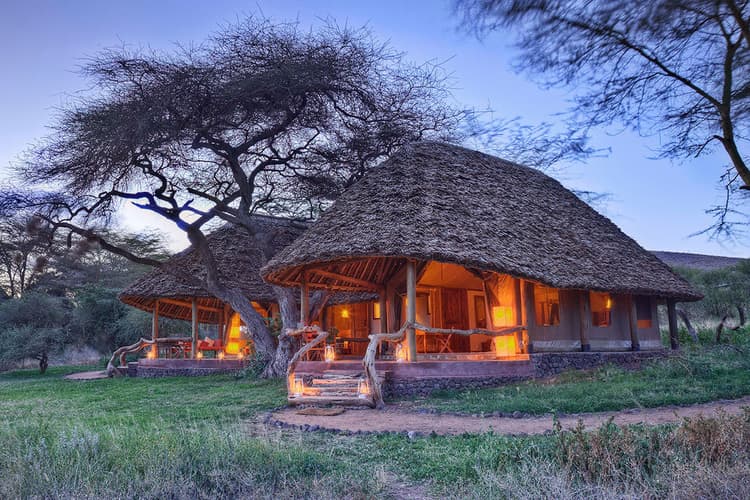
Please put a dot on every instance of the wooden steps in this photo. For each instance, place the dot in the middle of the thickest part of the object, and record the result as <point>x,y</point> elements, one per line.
<point>337,387</point>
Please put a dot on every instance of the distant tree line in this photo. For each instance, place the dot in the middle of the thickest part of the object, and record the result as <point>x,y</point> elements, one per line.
<point>726,299</point>
<point>55,297</point>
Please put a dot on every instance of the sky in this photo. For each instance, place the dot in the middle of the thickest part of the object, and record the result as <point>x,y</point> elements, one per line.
<point>42,44</point>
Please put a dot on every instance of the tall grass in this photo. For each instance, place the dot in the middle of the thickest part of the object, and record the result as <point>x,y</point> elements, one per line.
<point>51,462</point>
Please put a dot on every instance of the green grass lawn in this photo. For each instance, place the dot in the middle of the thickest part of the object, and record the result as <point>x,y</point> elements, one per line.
<point>202,438</point>
<point>694,376</point>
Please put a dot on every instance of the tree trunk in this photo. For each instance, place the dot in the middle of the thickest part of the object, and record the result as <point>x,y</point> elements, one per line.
<point>289,319</point>
<point>260,334</point>
<point>741,313</point>
<point>688,325</point>
<point>43,363</point>
<point>720,328</point>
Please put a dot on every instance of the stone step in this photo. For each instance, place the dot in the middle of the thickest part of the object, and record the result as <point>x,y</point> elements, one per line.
<point>342,400</point>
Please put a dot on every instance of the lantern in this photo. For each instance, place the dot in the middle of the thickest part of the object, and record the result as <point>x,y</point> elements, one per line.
<point>151,354</point>
<point>199,355</point>
<point>220,355</point>
<point>330,354</point>
<point>363,389</point>
<point>400,353</point>
<point>297,386</point>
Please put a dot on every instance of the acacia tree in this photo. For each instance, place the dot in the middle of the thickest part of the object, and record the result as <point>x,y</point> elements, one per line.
<point>676,68</point>
<point>25,251</point>
<point>261,118</point>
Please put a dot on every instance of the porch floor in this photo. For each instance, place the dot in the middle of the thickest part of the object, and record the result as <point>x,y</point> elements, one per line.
<point>518,366</point>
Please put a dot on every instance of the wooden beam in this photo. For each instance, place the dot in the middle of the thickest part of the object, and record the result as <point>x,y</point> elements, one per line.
<point>528,305</point>
<point>194,346</point>
<point>517,311</point>
<point>304,307</point>
<point>366,285</point>
<point>672,319</point>
<point>585,320</point>
<point>185,303</point>
<point>155,328</point>
<point>411,307</point>
<point>633,316</point>
<point>383,303</point>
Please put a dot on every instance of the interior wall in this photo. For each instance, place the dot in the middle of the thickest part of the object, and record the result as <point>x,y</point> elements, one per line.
<point>616,336</point>
<point>650,338</point>
<point>566,335</point>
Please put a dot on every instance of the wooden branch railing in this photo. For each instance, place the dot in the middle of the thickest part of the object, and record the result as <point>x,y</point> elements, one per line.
<point>320,337</point>
<point>376,339</point>
<point>142,343</point>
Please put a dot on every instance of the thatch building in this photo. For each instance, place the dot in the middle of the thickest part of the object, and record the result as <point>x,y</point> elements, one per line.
<point>454,239</point>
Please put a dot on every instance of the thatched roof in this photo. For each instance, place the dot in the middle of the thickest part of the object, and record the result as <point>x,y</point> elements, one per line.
<point>239,262</point>
<point>697,261</point>
<point>435,201</point>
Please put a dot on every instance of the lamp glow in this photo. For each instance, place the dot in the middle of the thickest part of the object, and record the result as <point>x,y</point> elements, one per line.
<point>501,315</point>
<point>363,389</point>
<point>400,353</point>
<point>505,346</point>
<point>345,313</point>
<point>199,355</point>
<point>330,354</point>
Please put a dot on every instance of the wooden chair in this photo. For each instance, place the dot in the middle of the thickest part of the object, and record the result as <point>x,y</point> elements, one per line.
<point>317,353</point>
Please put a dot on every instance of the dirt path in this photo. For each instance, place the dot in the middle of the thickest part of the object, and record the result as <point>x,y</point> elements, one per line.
<point>400,420</point>
<point>86,375</point>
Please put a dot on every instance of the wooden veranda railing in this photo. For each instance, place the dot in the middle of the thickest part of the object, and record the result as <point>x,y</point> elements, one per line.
<point>319,338</point>
<point>122,352</point>
<point>376,339</point>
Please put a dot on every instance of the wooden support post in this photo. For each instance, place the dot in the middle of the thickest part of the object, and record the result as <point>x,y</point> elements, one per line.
<point>517,311</point>
<point>633,315</point>
<point>155,328</point>
<point>411,307</point>
<point>672,319</point>
<point>194,345</point>
<point>383,314</point>
<point>304,300</point>
<point>585,320</point>
<point>528,305</point>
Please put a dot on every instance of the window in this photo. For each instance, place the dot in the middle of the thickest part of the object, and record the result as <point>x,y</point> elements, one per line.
<point>643,312</point>
<point>601,309</point>
<point>546,305</point>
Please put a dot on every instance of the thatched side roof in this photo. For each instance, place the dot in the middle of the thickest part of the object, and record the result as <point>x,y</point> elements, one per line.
<point>435,201</point>
<point>239,263</point>
<point>701,262</point>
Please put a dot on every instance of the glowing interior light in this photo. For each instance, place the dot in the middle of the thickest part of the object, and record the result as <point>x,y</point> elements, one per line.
<point>345,313</point>
<point>330,354</point>
<point>501,315</point>
<point>199,355</point>
<point>609,303</point>
<point>151,354</point>
<point>376,310</point>
<point>220,355</point>
<point>505,346</point>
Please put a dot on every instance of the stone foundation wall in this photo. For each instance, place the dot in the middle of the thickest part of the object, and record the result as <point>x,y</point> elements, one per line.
<point>152,372</point>
<point>551,363</point>
<point>541,365</point>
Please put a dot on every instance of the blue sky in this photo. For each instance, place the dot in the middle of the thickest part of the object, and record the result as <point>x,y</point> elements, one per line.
<point>657,202</point>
